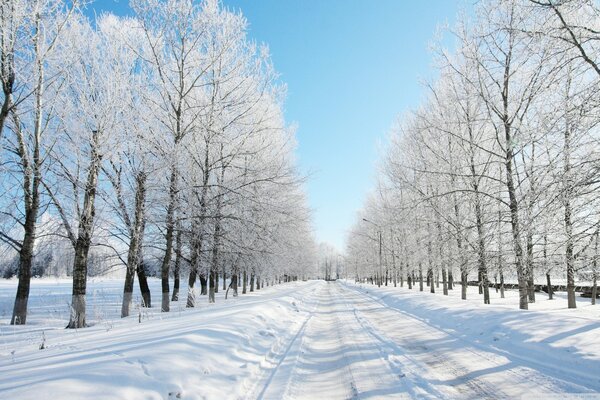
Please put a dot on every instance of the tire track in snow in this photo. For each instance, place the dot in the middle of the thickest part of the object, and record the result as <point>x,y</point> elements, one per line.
<point>277,356</point>
<point>407,370</point>
<point>325,338</point>
<point>316,359</point>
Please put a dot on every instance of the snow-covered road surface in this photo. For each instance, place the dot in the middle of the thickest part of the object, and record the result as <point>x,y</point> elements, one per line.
<point>308,340</point>
<point>355,346</point>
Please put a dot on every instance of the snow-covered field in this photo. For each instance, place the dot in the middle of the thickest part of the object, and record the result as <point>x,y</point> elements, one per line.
<point>301,340</point>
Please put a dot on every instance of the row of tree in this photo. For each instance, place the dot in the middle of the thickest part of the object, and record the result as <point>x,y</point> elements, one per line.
<point>496,173</point>
<point>152,139</point>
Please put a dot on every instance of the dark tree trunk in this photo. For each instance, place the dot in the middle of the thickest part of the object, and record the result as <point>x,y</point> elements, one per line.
<point>464,276</point>
<point>252,282</point>
<point>84,240</point>
<point>594,289</point>
<point>501,284</point>
<point>420,278</point>
<point>211,286</point>
<point>244,282</point>
<point>450,280</point>
<point>430,278</point>
<point>216,282</point>
<point>170,227</point>
<point>136,232</point>
<point>31,200</point>
<point>234,283</point>
<point>257,282</point>
<point>177,268</point>
<point>549,283</point>
<point>144,288</point>
<point>19,316</point>
<point>203,285</point>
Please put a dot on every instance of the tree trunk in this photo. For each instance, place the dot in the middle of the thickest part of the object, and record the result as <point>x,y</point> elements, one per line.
<point>444,282</point>
<point>501,284</point>
<point>530,280</point>
<point>177,268</point>
<point>252,282</point>
<point>244,281</point>
<point>216,281</point>
<point>483,276</point>
<point>549,283</point>
<point>191,297</point>
<point>84,239</point>
<point>569,258</point>
<point>214,262</point>
<point>464,276</point>
<point>432,284</point>
<point>203,285</point>
<point>402,274</point>
<point>31,166</point>
<point>144,288</point>
<point>513,204</point>
<point>211,286</point>
<point>128,289</point>
<point>420,278</point>
<point>234,283</point>
<point>136,233</point>
<point>594,289</point>
<point>19,316</point>
<point>386,277</point>
<point>170,226</point>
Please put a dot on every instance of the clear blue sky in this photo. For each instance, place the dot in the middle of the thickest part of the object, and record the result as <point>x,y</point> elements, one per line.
<point>351,67</point>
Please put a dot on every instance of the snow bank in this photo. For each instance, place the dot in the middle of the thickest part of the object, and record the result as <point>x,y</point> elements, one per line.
<point>213,352</point>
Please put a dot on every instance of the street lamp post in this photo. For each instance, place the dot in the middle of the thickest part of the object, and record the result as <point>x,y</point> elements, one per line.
<point>380,245</point>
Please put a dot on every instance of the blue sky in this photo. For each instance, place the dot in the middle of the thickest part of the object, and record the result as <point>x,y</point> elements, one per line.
<point>351,66</point>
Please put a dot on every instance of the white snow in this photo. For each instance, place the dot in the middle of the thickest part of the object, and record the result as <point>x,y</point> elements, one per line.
<point>301,340</point>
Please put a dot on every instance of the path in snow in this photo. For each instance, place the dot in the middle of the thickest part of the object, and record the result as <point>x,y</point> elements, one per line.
<point>308,340</point>
<point>353,345</point>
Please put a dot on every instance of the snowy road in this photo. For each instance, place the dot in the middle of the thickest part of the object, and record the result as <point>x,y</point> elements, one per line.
<point>354,346</point>
<point>309,340</point>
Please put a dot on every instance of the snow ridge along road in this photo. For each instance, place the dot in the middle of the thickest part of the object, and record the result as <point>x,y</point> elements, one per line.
<point>307,340</point>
